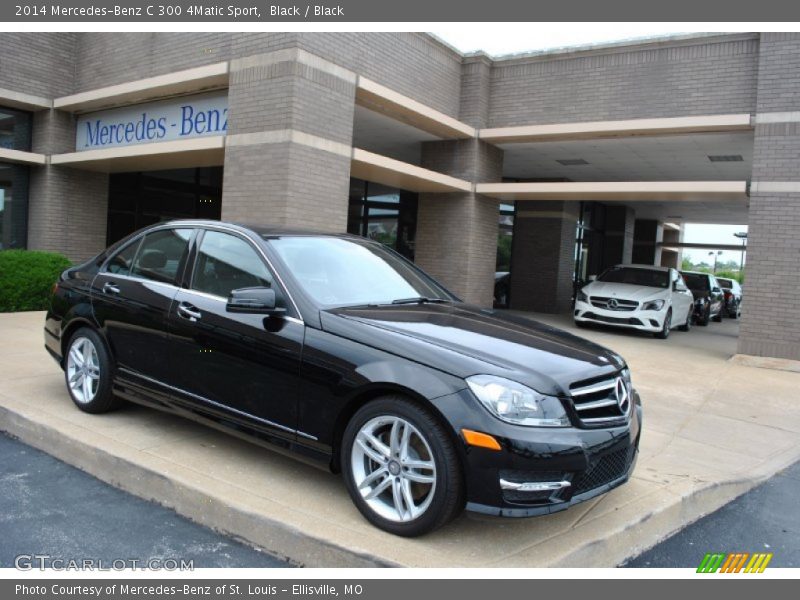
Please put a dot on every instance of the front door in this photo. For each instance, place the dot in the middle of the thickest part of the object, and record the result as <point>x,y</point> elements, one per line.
<point>242,367</point>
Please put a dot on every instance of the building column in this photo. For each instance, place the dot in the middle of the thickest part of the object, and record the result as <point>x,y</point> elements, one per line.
<point>672,258</point>
<point>618,239</point>
<point>67,208</point>
<point>647,235</point>
<point>288,147</point>
<point>456,238</point>
<point>543,255</point>
<point>770,326</point>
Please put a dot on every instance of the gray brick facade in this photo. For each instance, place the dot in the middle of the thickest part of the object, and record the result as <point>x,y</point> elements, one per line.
<point>769,326</point>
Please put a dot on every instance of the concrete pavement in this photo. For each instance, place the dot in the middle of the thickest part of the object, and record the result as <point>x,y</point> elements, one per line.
<point>713,429</point>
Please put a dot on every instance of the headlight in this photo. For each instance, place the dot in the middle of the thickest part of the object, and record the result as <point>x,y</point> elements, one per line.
<point>653,305</point>
<point>582,297</point>
<point>515,403</point>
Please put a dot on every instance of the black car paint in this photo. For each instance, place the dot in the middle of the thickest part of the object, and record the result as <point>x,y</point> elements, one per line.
<point>320,366</point>
<point>707,302</point>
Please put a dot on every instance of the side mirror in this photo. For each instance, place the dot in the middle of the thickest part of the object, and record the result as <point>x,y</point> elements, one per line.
<point>253,300</point>
<point>592,278</point>
<point>716,291</point>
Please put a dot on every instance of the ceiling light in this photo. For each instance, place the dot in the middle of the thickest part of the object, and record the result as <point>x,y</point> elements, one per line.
<point>569,162</point>
<point>725,157</point>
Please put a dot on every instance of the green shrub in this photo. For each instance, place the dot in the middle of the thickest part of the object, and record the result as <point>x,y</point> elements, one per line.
<point>27,278</point>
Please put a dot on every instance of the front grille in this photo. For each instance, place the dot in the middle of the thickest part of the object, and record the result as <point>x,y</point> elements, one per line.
<point>602,400</point>
<point>618,320</point>
<point>605,470</point>
<point>621,305</point>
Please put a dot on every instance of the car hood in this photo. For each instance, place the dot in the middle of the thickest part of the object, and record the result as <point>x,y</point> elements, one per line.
<point>624,290</point>
<point>465,340</point>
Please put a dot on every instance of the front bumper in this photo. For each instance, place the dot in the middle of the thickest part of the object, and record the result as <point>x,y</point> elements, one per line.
<point>642,320</point>
<point>591,460</point>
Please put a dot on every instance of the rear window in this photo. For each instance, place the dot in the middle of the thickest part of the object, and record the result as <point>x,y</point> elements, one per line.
<point>697,282</point>
<point>725,283</point>
<point>646,277</point>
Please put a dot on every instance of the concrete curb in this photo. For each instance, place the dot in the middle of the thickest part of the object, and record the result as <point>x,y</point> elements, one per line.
<point>273,536</point>
<point>593,546</point>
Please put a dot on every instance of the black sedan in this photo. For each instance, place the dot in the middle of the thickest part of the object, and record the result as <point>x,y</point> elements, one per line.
<point>709,301</point>
<point>340,351</point>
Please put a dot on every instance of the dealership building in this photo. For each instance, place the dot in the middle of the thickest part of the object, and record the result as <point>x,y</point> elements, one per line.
<point>550,165</point>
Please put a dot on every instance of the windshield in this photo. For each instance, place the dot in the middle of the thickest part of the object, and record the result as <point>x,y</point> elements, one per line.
<point>696,282</point>
<point>348,272</point>
<point>659,279</point>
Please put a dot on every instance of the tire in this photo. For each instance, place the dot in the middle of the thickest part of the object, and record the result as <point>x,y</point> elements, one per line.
<point>718,317</point>
<point>665,329</point>
<point>438,501</point>
<point>706,317</point>
<point>687,326</point>
<point>735,313</point>
<point>89,387</point>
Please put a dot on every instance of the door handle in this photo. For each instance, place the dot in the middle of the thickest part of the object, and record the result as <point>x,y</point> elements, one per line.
<point>187,311</point>
<point>110,288</point>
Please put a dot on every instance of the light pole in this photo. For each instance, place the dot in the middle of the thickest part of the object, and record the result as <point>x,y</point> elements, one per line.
<point>742,235</point>
<point>715,255</point>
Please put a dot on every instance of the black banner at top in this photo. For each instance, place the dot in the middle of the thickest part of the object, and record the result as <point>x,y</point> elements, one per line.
<point>266,11</point>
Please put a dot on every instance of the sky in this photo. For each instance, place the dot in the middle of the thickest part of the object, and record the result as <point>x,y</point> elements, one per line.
<point>512,38</point>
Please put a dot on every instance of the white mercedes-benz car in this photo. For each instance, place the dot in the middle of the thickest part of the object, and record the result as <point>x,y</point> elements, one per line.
<point>642,297</point>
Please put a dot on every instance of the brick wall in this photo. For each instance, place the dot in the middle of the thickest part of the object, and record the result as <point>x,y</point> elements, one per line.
<point>769,322</point>
<point>456,240</point>
<point>694,77</point>
<point>543,256</point>
<point>38,63</point>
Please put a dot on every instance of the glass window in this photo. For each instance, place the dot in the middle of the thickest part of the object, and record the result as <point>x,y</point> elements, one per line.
<point>226,262</point>
<point>121,262</point>
<point>161,255</point>
<point>633,276</point>
<point>15,134</point>
<point>341,272</point>
<point>697,282</point>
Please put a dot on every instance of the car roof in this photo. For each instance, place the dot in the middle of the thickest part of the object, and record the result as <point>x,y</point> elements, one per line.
<point>698,273</point>
<point>266,230</point>
<point>639,266</point>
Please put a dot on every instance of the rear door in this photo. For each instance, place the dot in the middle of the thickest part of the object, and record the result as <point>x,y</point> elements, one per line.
<point>131,297</point>
<point>716,295</point>
<point>237,366</point>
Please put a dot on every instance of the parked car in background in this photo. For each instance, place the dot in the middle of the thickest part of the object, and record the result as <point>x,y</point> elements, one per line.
<point>502,281</point>
<point>709,302</point>
<point>732,291</point>
<point>337,349</point>
<point>642,297</point>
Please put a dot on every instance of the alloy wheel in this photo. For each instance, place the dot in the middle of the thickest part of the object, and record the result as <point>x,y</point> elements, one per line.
<point>83,370</point>
<point>393,468</point>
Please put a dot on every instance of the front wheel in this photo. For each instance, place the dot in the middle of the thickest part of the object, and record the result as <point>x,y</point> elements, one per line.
<point>687,324</point>
<point>401,468</point>
<point>665,329</point>
<point>87,370</point>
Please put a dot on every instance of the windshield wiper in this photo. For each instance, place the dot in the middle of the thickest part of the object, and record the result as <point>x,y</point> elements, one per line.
<point>421,300</point>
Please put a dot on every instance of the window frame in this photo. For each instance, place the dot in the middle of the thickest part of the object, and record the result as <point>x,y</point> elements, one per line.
<point>139,239</point>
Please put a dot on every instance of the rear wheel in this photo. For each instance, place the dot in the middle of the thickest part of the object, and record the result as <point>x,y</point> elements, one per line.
<point>401,468</point>
<point>703,321</point>
<point>87,370</point>
<point>718,317</point>
<point>687,325</point>
<point>665,329</point>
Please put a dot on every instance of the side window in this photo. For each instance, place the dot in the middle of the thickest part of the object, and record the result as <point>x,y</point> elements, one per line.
<point>120,263</point>
<point>161,255</point>
<point>226,262</point>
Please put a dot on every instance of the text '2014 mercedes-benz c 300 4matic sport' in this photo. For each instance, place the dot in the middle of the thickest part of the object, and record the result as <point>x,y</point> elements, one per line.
<point>342,352</point>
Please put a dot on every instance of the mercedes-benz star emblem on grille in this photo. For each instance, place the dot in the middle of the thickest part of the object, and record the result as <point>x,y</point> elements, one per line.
<point>612,303</point>
<point>621,392</point>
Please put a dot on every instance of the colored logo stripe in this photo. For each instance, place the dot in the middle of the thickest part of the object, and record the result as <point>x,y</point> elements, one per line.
<point>734,562</point>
